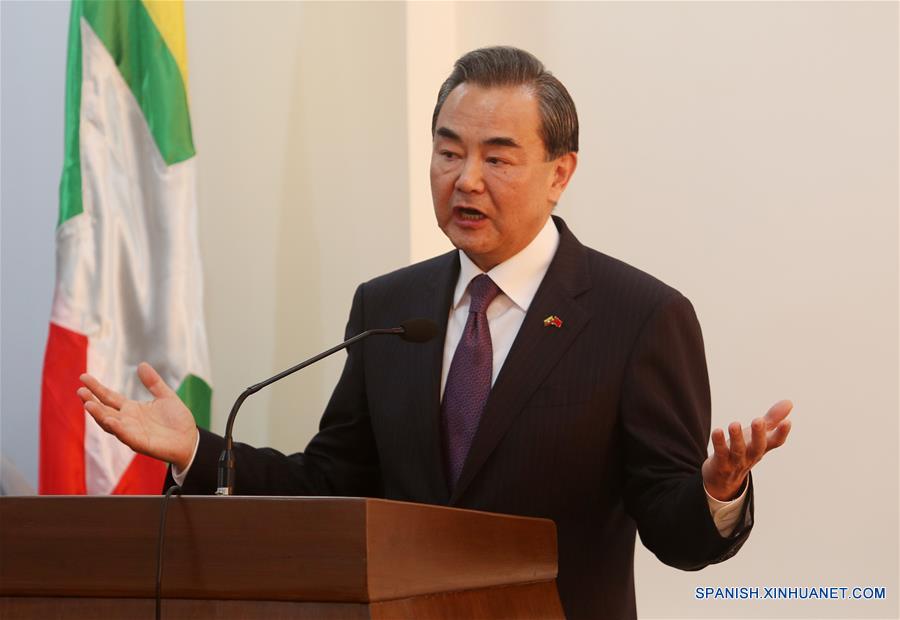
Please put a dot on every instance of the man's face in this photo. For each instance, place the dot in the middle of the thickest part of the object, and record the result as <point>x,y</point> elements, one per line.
<point>492,186</point>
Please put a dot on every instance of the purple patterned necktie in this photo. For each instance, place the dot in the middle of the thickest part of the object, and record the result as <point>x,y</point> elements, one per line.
<point>469,379</point>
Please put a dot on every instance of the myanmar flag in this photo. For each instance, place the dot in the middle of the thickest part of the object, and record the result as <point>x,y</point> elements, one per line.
<point>128,277</point>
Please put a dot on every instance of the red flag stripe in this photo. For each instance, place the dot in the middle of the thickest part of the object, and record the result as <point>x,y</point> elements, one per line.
<point>144,476</point>
<point>61,469</point>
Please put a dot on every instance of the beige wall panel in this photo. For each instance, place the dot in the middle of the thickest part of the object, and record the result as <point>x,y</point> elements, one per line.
<point>300,122</point>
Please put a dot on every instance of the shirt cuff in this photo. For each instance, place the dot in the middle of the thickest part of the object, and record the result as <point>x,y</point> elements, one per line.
<point>179,476</point>
<point>726,514</point>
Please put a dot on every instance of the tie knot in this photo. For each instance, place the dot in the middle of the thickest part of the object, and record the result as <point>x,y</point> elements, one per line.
<point>482,290</point>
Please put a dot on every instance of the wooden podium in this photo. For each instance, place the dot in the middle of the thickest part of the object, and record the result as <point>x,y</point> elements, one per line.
<point>272,557</point>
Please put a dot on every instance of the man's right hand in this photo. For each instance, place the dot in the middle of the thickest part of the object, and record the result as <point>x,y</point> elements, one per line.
<point>162,428</point>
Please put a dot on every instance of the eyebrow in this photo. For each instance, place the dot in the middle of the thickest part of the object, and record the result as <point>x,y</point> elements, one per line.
<point>495,141</point>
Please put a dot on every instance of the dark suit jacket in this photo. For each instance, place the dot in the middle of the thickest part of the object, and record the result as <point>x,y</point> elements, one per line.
<point>601,424</point>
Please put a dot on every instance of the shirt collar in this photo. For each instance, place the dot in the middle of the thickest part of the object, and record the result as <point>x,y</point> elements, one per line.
<point>518,277</point>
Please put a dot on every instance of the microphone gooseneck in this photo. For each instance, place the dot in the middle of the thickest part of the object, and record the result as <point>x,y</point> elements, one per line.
<point>412,330</point>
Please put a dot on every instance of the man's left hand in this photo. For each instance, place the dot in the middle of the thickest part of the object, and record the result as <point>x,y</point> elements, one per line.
<point>725,471</point>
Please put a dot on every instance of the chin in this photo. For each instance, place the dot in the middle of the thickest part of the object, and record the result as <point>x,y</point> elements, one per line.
<point>469,246</point>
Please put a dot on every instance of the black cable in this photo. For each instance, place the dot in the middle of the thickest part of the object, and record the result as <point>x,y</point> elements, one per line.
<point>161,544</point>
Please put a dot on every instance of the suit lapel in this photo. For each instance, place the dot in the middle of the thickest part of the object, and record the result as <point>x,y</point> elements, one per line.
<point>535,350</point>
<point>425,374</point>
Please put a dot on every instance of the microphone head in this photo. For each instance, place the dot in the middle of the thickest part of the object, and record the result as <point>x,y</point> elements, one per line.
<point>419,330</point>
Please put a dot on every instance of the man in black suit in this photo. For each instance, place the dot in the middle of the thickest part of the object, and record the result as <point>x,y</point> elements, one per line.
<point>575,388</point>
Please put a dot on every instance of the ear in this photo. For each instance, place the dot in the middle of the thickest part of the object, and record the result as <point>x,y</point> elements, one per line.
<point>563,169</point>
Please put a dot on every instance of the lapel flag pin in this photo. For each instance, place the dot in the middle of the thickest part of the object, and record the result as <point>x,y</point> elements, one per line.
<point>553,321</point>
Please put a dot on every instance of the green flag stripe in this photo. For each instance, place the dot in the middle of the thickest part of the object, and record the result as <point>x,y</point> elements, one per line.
<point>197,395</point>
<point>149,69</point>
<point>147,66</point>
<point>70,184</point>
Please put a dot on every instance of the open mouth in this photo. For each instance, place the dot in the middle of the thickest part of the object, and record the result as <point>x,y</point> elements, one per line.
<point>468,214</point>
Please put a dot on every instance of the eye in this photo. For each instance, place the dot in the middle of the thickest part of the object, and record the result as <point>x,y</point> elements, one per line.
<point>448,155</point>
<point>495,161</point>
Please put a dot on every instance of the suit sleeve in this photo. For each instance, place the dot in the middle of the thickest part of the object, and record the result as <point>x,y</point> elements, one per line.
<point>341,459</point>
<point>666,422</point>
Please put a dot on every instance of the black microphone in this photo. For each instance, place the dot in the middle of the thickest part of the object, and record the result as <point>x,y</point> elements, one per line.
<point>413,330</point>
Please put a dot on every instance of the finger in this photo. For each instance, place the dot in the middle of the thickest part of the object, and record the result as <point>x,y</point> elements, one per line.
<point>153,382</point>
<point>779,435</point>
<point>107,418</point>
<point>720,447</point>
<point>102,393</point>
<point>87,396</point>
<point>758,440</point>
<point>84,394</point>
<point>111,425</point>
<point>738,447</point>
<point>778,412</point>
<point>103,415</point>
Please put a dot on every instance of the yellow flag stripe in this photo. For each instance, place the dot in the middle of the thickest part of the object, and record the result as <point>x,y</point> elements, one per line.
<point>168,16</point>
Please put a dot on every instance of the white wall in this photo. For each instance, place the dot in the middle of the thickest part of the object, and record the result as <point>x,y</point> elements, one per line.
<point>746,153</point>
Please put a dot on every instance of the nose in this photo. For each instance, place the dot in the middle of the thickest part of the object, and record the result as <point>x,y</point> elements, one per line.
<point>470,179</point>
